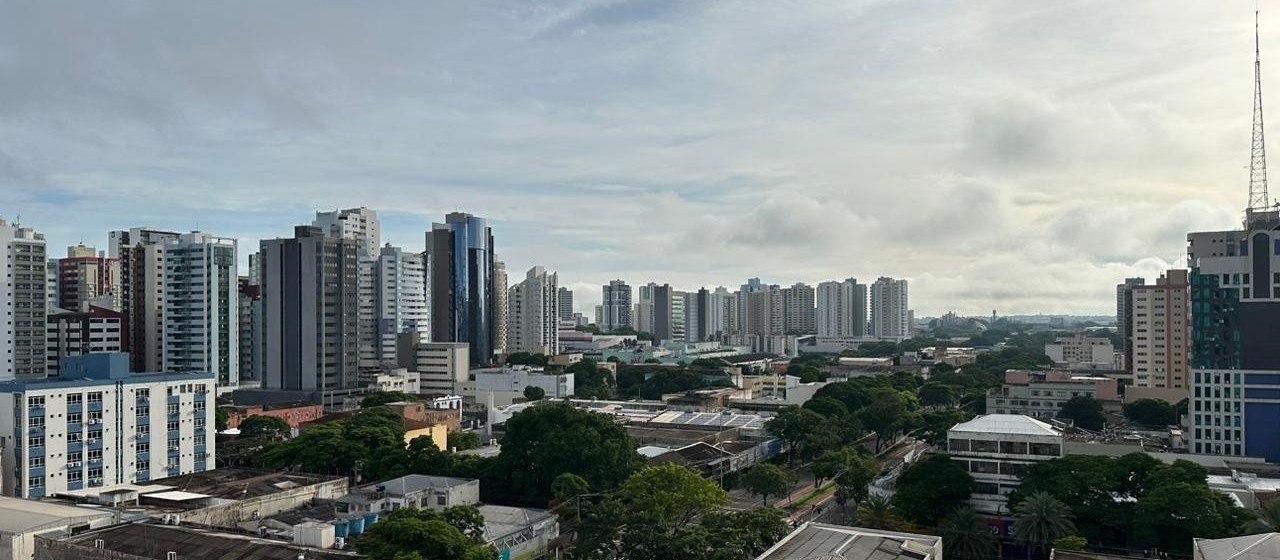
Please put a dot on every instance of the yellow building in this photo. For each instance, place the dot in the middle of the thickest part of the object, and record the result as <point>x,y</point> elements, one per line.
<point>439,433</point>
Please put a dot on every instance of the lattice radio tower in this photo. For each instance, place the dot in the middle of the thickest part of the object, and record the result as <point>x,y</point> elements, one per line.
<point>1258,199</point>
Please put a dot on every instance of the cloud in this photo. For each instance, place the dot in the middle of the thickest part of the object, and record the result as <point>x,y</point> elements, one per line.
<point>1008,155</point>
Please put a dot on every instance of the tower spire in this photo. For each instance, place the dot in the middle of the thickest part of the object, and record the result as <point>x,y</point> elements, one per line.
<point>1258,199</point>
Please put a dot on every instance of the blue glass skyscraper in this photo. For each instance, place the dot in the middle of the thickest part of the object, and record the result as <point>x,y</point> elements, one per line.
<point>460,257</point>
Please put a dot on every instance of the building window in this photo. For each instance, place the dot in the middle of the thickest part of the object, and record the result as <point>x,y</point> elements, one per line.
<point>75,417</point>
<point>173,426</point>
<point>95,435</point>
<point>173,443</point>
<point>144,465</point>
<point>199,422</point>
<point>35,441</point>
<point>144,447</point>
<point>35,482</point>
<point>442,500</point>
<point>74,437</point>
<point>75,457</point>
<point>143,393</point>
<point>95,454</point>
<point>33,402</point>
<point>144,429</point>
<point>76,475</point>
<point>36,462</point>
<point>75,398</point>
<point>144,411</point>
<point>95,416</point>
<point>95,473</point>
<point>199,440</point>
<point>173,408</point>
<point>95,397</point>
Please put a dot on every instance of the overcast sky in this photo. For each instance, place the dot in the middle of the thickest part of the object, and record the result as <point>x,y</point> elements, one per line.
<point>1019,156</point>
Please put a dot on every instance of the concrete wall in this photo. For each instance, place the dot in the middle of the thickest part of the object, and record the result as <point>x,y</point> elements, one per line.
<point>227,515</point>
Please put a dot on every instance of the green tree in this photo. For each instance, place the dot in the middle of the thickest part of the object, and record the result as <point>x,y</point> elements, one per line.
<point>853,395</point>
<point>414,533</point>
<point>675,495</point>
<point>851,468</point>
<point>930,489</point>
<point>1070,543</point>
<point>1170,515</point>
<point>937,394</point>
<point>534,393</point>
<point>591,381</point>
<point>1085,411</point>
<point>766,480</point>
<point>876,512</point>
<point>541,442</point>
<point>268,427</point>
<point>1151,412</point>
<point>885,415</point>
<point>1266,519</point>
<point>369,444</point>
<point>384,397</point>
<point>827,406</point>
<point>566,489</point>
<point>526,359</point>
<point>966,537</point>
<point>934,425</point>
<point>220,418</point>
<point>462,441</point>
<point>793,425</point>
<point>1040,520</point>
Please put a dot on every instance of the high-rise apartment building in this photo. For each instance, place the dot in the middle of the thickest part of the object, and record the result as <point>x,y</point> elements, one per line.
<point>668,309</point>
<point>76,333</point>
<point>566,304</point>
<point>1160,319</point>
<point>798,309</point>
<point>51,281</point>
<point>402,298</point>
<point>842,309</point>
<point>85,275</point>
<point>615,307</point>
<point>97,426</point>
<point>309,295</point>
<point>201,314</point>
<point>23,302</point>
<point>1124,299</point>
<point>461,261</point>
<point>890,312</point>
<point>642,315</point>
<point>716,313</point>
<point>500,307</point>
<point>533,314</point>
<point>252,336</point>
<point>764,312</point>
<point>141,255</point>
<point>362,226</point>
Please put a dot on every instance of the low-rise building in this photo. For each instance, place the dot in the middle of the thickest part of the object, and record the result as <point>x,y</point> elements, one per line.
<point>97,426</point>
<point>819,540</point>
<point>21,521</point>
<point>293,414</point>
<point>505,386</point>
<point>1080,351</point>
<point>441,366</point>
<point>413,491</point>
<point>997,449</point>
<point>154,541</point>
<point>519,533</point>
<point>1040,394</point>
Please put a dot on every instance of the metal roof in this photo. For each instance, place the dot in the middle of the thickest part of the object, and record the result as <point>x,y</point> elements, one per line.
<point>819,540</point>
<point>1265,546</point>
<point>1006,424</point>
<point>22,516</point>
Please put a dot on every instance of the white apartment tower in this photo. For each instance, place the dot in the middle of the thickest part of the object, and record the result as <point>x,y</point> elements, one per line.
<point>1160,316</point>
<point>360,225</point>
<point>201,317</point>
<point>890,313</point>
<point>23,301</point>
<point>798,309</point>
<point>533,314</point>
<point>500,308</point>
<point>402,299</point>
<point>842,309</point>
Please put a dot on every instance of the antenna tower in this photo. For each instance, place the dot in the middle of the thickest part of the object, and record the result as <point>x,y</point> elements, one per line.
<point>1258,199</point>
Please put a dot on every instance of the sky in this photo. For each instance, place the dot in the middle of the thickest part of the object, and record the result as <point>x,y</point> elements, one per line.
<point>1008,155</point>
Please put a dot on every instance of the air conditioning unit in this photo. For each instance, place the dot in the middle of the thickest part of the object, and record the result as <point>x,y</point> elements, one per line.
<point>73,464</point>
<point>93,440</point>
<point>95,481</point>
<point>92,421</point>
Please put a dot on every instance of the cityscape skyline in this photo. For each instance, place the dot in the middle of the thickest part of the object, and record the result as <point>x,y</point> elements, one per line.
<point>1005,200</point>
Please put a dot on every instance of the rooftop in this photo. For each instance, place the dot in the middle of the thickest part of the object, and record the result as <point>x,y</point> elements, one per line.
<point>1265,546</point>
<point>239,484</point>
<point>1006,424</point>
<point>812,540</point>
<point>156,541</point>
<point>23,516</point>
<point>418,482</point>
<point>500,521</point>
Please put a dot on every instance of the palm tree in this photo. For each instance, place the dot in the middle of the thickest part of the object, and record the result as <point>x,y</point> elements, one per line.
<point>1041,519</point>
<point>1268,520</point>
<point>966,537</point>
<point>876,512</point>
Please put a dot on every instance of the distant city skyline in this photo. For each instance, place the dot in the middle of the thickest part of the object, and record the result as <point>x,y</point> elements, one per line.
<point>1009,156</point>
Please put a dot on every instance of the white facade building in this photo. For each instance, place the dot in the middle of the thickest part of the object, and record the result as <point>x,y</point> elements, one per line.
<point>201,314</point>
<point>997,449</point>
<point>890,310</point>
<point>97,426</point>
<point>532,314</point>
<point>402,299</point>
<point>141,254</point>
<point>360,225</point>
<point>842,309</point>
<point>501,388</point>
<point>1081,351</point>
<point>23,302</point>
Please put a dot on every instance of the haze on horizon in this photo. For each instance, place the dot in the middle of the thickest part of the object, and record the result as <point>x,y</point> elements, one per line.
<point>999,154</point>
